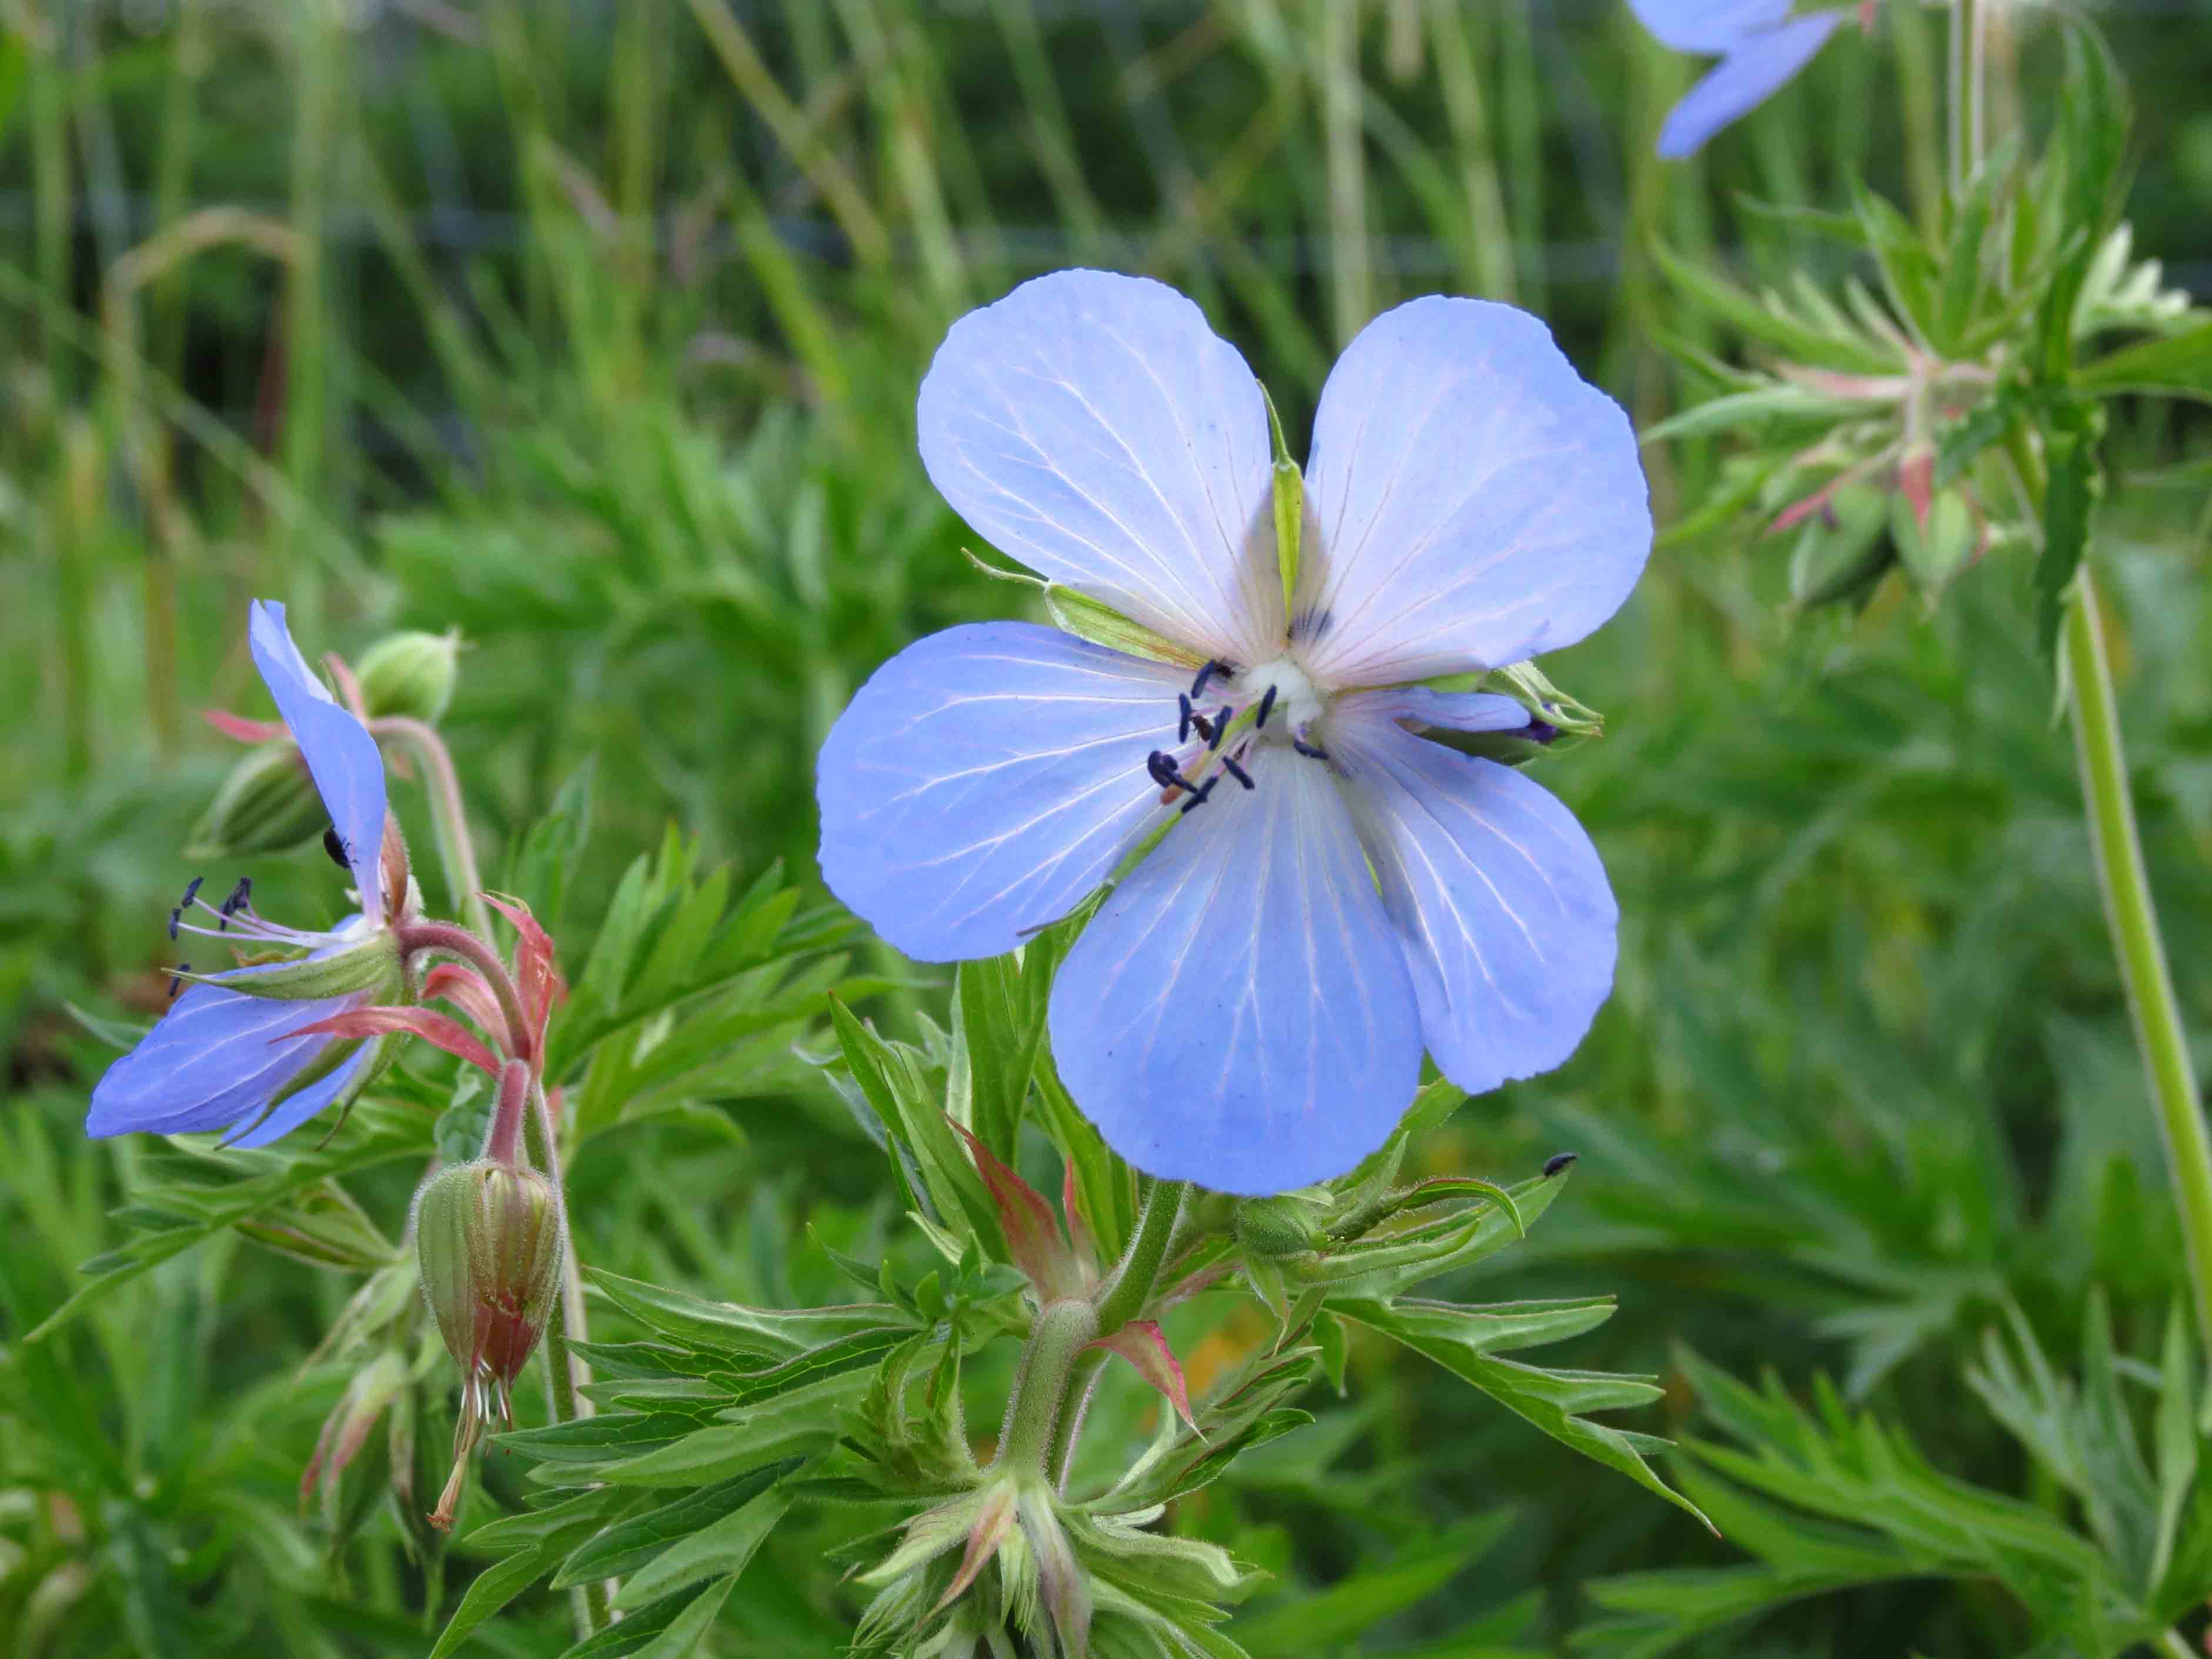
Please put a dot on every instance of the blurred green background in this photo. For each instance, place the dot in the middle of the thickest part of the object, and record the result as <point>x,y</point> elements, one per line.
<point>593,329</point>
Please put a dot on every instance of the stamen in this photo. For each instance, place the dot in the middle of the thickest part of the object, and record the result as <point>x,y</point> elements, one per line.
<point>1220,727</point>
<point>1182,727</point>
<point>191,892</point>
<point>1198,796</point>
<point>178,978</point>
<point>1266,707</point>
<point>1310,750</point>
<point>1236,771</point>
<point>1197,685</point>
<point>1164,774</point>
<point>236,904</point>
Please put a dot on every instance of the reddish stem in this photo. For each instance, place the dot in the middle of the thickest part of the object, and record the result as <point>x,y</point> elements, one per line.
<point>415,937</point>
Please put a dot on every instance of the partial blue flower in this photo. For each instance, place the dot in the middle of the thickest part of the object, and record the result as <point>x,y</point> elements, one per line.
<point>1331,892</point>
<point>1761,45</point>
<point>233,1052</point>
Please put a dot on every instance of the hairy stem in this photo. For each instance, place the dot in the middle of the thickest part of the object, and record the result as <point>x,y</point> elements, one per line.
<point>457,849</point>
<point>2132,916</point>
<point>1049,1363</point>
<point>1133,1281</point>
<point>564,1322</point>
<point>454,941</point>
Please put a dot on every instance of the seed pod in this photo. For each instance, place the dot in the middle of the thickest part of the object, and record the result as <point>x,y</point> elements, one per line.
<point>488,1236</point>
<point>409,675</point>
<point>267,804</point>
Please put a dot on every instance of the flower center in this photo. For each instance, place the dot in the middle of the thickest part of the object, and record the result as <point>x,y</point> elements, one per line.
<point>1276,703</point>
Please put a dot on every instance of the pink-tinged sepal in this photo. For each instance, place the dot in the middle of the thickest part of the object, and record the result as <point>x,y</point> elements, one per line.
<point>1145,1346</point>
<point>1034,1237</point>
<point>536,976</point>
<point>244,730</point>
<point>992,1523</point>
<point>1916,481</point>
<point>467,990</point>
<point>440,1030</point>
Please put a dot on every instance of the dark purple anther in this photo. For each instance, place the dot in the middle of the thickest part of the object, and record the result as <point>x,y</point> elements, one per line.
<point>1310,750</point>
<point>1220,727</point>
<point>1557,1162</point>
<point>175,915</point>
<point>1198,796</point>
<point>178,978</point>
<point>1236,771</point>
<point>191,892</point>
<point>1539,731</point>
<point>1182,725</point>
<point>1266,707</point>
<point>1197,685</point>
<point>1162,769</point>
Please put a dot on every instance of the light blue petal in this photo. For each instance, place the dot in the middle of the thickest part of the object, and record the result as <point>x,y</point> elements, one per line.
<point>215,1056</point>
<point>341,755</point>
<point>1478,501</point>
<point>1238,1012</point>
<point>1093,426</point>
<point>1707,25</point>
<point>1744,79</point>
<point>986,780</point>
<point>310,1101</point>
<point>1508,921</point>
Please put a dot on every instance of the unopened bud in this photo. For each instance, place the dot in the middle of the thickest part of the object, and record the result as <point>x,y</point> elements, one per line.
<point>346,1431</point>
<point>267,804</point>
<point>1271,1228</point>
<point>409,676</point>
<point>488,1237</point>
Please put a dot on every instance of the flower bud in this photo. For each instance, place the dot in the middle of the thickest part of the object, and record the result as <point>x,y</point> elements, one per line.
<point>409,675</point>
<point>488,1236</point>
<point>267,804</point>
<point>1271,1228</point>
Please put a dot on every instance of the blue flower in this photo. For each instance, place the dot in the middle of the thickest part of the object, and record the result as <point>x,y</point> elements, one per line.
<point>1760,46</point>
<point>236,1051</point>
<point>1248,1008</point>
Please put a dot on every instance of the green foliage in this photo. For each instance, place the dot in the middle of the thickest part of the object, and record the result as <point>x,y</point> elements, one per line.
<point>592,349</point>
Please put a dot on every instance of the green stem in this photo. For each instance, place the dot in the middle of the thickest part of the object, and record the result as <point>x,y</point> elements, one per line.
<point>1063,1330</point>
<point>449,819</point>
<point>564,1322</point>
<point>1124,1298</point>
<point>1080,1385</point>
<point>2133,919</point>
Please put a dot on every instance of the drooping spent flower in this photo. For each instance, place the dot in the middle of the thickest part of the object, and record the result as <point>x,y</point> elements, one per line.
<point>1761,44</point>
<point>488,1238</point>
<point>240,1050</point>
<point>1330,890</point>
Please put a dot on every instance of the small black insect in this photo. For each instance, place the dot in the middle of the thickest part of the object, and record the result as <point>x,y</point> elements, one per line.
<point>1557,1162</point>
<point>334,844</point>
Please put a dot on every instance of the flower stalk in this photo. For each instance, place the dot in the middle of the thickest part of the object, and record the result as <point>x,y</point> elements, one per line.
<point>564,1319</point>
<point>1063,1330</point>
<point>2132,917</point>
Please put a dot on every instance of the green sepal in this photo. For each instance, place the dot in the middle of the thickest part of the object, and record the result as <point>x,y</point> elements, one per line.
<point>1290,495</point>
<point>1079,614</point>
<point>370,964</point>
